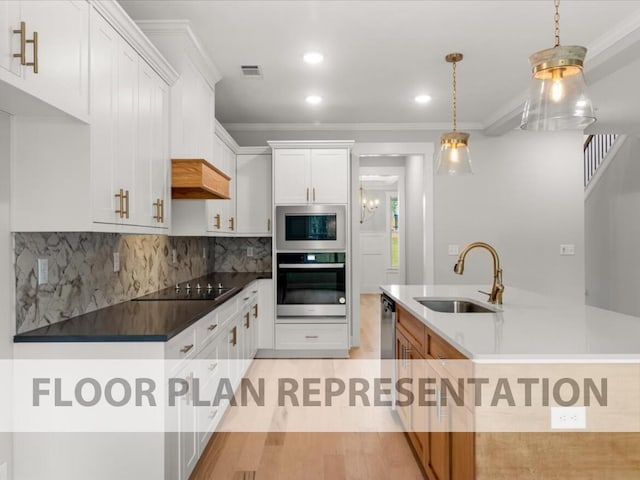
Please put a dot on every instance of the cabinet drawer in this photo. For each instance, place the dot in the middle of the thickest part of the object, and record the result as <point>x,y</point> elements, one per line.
<point>207,328</point>
<point>414,329</point>
<point>311,336</point>
<point>182,345</point>
<point>227,310</point>
<point>209,362</point>
<point>441,350</point>
<point>248,296</point>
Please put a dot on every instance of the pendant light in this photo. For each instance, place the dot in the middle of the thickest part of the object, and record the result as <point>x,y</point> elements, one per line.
<point>558,97</point>
<point>454,149</point>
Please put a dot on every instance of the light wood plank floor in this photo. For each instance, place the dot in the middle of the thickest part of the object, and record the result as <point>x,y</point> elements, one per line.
<point>309,456</point>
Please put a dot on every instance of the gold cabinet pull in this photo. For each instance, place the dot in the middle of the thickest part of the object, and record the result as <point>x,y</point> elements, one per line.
<point>255,311</point>
<point>216,223</point>
<point>314,194</point>
<point>162,210</point>
<point>186,348</point>
<point>120,197</point>
<point>234,339</point>
<point>268,224</point>
<point>23,44</point>
<point>231,223</point>
<point>307,194</point>
<point>34,64</point>
<point>158,216</point>
<point>246,317</point>
<point>126,203</point>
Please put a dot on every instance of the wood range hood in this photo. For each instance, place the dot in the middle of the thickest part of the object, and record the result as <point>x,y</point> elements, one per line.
<point>197,179</point>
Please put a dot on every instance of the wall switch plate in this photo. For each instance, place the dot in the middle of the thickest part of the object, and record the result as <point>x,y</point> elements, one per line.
<point>43,271</point>
<point>4,474</point>
<point>568,418</point>
<point>174,256</point>
<point>454,249</point>
<point>567,249</point>
<point>116,262</point>
<point>249,251</point>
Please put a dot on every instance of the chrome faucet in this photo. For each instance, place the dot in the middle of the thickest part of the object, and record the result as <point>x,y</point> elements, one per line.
<point>497,288</point>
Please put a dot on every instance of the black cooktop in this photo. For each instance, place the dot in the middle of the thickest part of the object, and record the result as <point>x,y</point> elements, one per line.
<point>188,291</point>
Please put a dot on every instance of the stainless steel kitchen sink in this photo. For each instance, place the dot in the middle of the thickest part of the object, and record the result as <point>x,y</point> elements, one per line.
<point>453,305</point>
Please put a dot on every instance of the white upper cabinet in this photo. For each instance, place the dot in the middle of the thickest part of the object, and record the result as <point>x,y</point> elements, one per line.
<point>193,95</point>
<point>51,41</point>
<point>311,175</point>
<point>112,174</point>
<point>223,212</point>
<point>330,175</point>
<point>253,187</point>
<point>292,176</point>
<point>129,145</point>
<point>192,124</point>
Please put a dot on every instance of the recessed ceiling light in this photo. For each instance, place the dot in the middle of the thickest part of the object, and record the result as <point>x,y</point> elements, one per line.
<point>313,58</point>
<point>313,99</point>
<point>422,99</point>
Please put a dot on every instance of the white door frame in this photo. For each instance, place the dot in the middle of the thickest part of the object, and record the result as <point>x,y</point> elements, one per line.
<point>426,149</point>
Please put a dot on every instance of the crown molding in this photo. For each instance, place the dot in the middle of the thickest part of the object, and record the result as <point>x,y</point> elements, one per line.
<point>311,144</point>
<point>134,36</point>
<point>223,135</point>
<point>181,29</point>
<point>340,127</point>
<point>254,150</point>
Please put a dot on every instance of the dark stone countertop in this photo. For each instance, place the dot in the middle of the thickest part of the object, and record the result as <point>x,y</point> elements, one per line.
<point>140,321</point>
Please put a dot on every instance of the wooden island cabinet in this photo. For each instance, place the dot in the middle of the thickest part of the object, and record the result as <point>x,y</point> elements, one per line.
<point>449,450</point>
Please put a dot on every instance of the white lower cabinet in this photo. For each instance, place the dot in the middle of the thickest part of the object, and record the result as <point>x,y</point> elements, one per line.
<point>217,347</point>
<point>266,314</point>
<point>312,336</point>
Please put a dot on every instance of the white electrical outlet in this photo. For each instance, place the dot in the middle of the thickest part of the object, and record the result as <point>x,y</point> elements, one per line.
<point>567,249</point>
<point>43,271</point>
<point>116,262</point>
<point>4,474</point>
<point>174,256</point>
<point>454,249</point>
<point>249,251</point>
<point>568,418</point>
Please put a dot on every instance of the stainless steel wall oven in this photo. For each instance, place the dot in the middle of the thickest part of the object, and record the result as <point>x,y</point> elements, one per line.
<point>311,284</point>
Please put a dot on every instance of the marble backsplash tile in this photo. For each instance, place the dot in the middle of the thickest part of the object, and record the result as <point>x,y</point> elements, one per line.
<point>230,254</point>
<point>81,277</point>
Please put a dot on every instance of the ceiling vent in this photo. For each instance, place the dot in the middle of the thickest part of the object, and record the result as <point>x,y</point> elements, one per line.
<point>251,71</point>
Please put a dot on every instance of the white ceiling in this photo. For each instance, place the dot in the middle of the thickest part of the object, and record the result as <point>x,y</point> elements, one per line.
<point>380,54</point>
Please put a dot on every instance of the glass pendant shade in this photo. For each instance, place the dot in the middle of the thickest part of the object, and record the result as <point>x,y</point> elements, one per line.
<point>454,158</point>
<point>558,97</point>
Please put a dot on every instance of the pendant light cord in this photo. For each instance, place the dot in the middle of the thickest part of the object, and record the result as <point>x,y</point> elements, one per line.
<point>455,100</point>
<point>557,22</point>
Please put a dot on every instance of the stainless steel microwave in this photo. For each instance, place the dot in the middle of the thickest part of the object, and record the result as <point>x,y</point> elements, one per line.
<point>311,227</point>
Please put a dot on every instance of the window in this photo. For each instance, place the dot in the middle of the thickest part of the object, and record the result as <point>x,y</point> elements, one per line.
<point>395,231</point>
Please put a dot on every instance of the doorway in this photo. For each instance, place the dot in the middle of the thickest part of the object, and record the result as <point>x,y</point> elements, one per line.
<point>381,217</point>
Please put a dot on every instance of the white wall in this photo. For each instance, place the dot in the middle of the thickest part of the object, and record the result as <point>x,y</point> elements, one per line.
<point>525,198</point>
<point>6,269</point>
<point>414,219</point>
<point>612,224</point>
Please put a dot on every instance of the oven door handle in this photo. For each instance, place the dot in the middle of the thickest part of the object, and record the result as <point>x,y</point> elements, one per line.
<point>311,265</point>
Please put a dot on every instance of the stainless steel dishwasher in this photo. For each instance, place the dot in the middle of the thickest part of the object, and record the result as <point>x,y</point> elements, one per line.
<point>388,342</point>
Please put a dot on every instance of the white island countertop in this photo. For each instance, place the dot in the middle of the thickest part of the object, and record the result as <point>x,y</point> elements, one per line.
<point>526,326</point>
